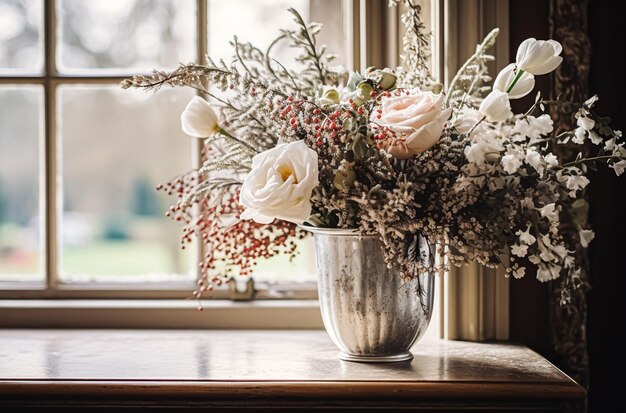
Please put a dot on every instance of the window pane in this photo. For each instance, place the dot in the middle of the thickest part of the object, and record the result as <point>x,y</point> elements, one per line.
<point>116,147</point>
<point>20,131</point>
<point>125,35</point>
<point>281,269</point>
<point>259,22</point>
<point>21,45</point>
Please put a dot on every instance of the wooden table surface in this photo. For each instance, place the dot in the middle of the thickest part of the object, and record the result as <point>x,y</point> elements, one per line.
<point>236,369</point>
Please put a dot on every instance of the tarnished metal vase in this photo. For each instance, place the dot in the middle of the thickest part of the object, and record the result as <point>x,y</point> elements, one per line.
<point>370,312</point>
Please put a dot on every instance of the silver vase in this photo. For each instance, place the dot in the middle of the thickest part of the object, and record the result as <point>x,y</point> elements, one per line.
<point>370,312</point>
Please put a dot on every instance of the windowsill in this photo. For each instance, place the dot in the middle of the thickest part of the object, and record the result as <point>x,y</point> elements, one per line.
<point>244,369</point>
<point>163,314</point>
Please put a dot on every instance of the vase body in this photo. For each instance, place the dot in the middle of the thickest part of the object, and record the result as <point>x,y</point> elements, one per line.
<point>369,311</point>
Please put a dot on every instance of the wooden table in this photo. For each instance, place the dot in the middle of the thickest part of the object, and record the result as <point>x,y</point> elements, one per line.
<point>139,370</point>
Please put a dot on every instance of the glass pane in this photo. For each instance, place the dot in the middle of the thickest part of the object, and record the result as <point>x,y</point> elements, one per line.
<point>21,45</point>
<point>259,22</point>
<point>281,269</point>
<point>116,147</point>
<point>125,35</point>
<point>20,131</point>
<point>330,14</point>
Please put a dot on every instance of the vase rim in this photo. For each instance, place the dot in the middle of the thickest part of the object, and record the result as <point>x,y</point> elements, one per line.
<point>346,232</point>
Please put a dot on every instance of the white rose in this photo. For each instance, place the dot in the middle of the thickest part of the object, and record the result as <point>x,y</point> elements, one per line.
<point>539,57</point>
<point>280,184</point>
<point>496,106</point>
<point>199,119</point>
<point>418,118</point>
<point>522,87</point>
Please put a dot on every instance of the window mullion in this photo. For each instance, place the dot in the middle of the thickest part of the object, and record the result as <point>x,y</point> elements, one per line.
<point>202,41</point>
<point>49,197</point>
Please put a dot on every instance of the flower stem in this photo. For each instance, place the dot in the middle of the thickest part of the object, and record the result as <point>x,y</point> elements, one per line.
<point>519,74</point>
<point>595,158</point>
<point>475,126</point>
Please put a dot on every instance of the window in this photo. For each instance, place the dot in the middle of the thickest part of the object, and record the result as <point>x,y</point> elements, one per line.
<point>79,157</point>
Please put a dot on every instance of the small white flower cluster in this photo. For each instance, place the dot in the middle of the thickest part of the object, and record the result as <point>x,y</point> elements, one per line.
<point>510,153</point>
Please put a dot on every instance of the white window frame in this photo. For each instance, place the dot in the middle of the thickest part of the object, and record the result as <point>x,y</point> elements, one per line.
<point>372,35</point>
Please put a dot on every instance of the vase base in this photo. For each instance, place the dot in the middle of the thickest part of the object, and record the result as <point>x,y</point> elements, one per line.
<point>392,358</point>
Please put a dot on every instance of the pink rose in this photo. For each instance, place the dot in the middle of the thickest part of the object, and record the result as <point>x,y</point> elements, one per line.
<point>417,119</point>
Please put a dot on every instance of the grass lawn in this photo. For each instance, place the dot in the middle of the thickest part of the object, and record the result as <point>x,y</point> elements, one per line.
<point>131,257</point>
<point>122,258</point>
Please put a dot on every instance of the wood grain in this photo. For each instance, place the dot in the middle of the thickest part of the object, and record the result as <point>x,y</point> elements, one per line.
<point>56,368</point>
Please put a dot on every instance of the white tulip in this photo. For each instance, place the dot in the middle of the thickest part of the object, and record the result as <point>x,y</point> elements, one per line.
<point>523,86</point>
<point>199,119</point>
<point>496,106</point>
<point>539,57</point>
<point>280,184</point>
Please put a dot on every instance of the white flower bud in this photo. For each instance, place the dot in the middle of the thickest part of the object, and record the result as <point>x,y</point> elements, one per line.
<point>199,119</point>
<point>496,106</point>
<point>330,96</point>
<point>539,57</point>
<point>387,79</point>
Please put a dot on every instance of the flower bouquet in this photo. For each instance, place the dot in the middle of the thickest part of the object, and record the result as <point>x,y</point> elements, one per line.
<point>385,157</point>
